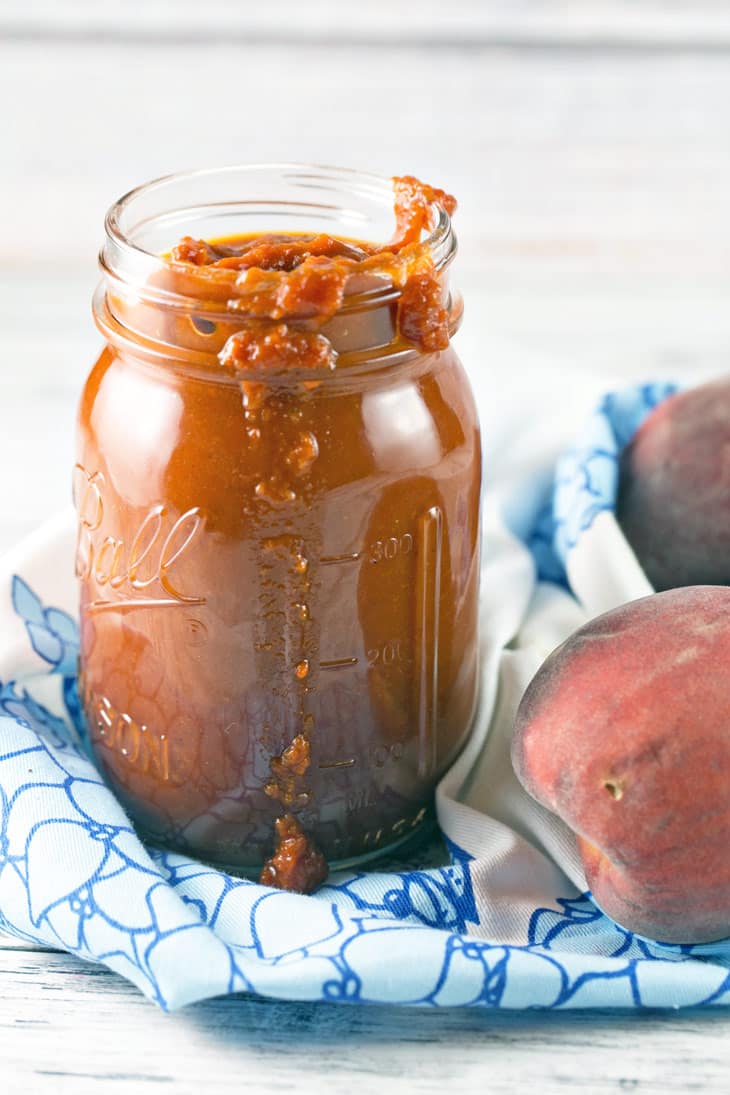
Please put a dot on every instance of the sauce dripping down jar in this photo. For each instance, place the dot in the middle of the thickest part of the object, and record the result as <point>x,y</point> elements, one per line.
<point>277,486</point>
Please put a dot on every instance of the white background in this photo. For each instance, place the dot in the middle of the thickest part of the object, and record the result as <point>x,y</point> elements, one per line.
<point>589,145</point>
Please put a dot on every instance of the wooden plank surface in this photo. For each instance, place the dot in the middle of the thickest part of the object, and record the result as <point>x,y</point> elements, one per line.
<point>74,1029</point>
<point>628,24</point>
<point>584,164</point>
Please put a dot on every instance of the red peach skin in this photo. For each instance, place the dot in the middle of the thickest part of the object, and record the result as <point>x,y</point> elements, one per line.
<point>674,489</point>
<point>625,734</point>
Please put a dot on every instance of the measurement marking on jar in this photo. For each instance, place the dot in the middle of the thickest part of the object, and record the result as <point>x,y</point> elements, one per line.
<point>386,655</point>
<point>390,548</point>
<point>428,600</point>
<point>339,763</point>
<point>338,663</point>
<point>331,560</point>
<point>125,606</point>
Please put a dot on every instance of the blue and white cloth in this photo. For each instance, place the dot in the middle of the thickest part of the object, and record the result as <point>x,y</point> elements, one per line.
<point>507,923</point>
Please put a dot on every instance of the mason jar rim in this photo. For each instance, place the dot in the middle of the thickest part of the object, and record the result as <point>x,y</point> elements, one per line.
<point>130,268</point>
<point>441,240</point>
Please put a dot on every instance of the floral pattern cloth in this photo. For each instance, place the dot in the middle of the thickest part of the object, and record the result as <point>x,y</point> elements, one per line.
<point>497,915</point>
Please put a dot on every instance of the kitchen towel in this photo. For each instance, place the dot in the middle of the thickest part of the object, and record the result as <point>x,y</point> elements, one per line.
<point>503,920</point>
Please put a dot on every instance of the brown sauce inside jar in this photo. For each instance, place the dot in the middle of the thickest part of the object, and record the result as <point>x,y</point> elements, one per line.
<point>279,583</point>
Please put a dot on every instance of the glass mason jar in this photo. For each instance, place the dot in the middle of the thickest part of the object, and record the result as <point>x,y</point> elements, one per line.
<point>223,618</point>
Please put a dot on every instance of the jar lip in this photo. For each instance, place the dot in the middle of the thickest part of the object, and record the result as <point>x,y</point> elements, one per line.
<point>441,240</point>
<point>201,364</point>
<point>146,290</point>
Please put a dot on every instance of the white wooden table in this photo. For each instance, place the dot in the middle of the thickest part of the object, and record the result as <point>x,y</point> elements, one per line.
<point>589,144</point>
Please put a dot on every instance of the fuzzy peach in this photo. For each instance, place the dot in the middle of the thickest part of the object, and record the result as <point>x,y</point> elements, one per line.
<point>674,489</point>
<point>625,734</point>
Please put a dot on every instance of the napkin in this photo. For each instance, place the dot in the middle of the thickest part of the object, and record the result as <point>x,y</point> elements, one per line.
<point>501,919</point>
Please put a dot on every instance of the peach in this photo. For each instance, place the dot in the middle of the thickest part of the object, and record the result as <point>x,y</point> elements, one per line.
<point>625,734</point>
<point>674,489</point>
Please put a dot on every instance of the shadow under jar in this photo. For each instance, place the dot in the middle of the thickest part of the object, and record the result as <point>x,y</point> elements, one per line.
<point>278,561</point>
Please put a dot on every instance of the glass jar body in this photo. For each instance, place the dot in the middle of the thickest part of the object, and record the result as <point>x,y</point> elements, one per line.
<point>225,618</point>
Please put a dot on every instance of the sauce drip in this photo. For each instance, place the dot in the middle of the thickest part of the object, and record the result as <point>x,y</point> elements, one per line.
<point>297,863</point>
<point>285,287</point>
<point>266,346</point>
<point>274,277</point>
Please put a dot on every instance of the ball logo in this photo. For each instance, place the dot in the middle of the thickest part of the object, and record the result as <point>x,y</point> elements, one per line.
<point>141,570</point>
